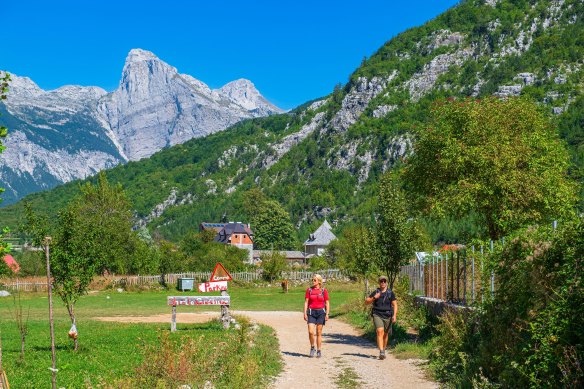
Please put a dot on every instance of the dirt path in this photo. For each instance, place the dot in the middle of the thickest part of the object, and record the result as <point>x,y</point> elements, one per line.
<point>343,352</point>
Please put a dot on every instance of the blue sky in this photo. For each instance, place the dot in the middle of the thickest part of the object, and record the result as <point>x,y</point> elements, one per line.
<point>292,51</point>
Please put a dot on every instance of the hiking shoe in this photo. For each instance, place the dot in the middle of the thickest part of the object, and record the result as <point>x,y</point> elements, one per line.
<point>318,354</point>
<point>312,351</point>
<point>382,354</point>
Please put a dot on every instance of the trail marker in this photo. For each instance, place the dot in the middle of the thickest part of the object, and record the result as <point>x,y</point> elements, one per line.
<point>220,274</point>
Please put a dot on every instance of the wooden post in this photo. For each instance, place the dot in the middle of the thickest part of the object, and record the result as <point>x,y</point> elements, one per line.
<point>225,316</point>
<point>2,375</point>
<point>53,369</point>
<point>173,320</point>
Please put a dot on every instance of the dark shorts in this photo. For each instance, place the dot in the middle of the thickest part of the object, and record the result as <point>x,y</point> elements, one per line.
<point>316,316</point>
<point>381,322</point>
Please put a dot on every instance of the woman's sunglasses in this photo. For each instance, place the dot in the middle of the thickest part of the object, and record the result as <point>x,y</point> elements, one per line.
<point>383,282</point>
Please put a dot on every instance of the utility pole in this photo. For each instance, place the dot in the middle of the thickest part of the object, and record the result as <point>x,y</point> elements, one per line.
<point>53,369</point>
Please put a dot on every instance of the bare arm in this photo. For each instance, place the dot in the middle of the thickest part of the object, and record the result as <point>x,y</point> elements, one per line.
<point>394,305</point>
<point>305,309</point>
<point>328,309</point>
<point>369,300</point>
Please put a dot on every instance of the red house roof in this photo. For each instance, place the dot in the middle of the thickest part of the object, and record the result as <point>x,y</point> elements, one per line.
<point>12,264</point>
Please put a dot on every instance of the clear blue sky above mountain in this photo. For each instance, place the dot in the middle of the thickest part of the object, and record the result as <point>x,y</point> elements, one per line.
<point>292,51</point>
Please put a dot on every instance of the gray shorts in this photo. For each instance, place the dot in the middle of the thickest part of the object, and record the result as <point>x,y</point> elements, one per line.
<point>381,322</point>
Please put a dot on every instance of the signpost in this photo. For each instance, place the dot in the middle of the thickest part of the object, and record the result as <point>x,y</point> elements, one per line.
<point>213,286</point>
<point>218,282</point>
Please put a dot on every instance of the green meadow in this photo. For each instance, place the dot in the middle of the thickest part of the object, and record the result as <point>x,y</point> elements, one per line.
<point>119,355</point>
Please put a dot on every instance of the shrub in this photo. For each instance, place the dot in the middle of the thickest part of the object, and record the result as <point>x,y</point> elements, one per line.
<point>239,358</point>
<point>532,333</point>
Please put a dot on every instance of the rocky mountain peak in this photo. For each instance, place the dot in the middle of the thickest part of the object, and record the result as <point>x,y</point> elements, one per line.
<point>139,55</point>
<point>26,94</point>
<point>23,86</point>
<point>244,93</point>
<point>143,73</point>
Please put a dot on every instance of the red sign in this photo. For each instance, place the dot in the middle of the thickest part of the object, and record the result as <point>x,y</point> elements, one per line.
<point>220,274</point>
<point>213,286</point>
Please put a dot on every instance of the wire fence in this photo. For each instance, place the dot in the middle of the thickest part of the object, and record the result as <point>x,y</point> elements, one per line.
<point>39,284</point>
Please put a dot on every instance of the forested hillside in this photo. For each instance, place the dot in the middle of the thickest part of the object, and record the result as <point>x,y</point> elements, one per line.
<point>324,158</point>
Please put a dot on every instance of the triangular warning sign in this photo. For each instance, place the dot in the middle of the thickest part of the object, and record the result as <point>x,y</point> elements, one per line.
<point>220,274</point>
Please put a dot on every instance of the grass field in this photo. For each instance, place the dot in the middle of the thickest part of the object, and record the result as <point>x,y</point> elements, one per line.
<point>116,354</point>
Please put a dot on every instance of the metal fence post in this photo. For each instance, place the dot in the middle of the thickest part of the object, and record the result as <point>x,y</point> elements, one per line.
<point>473,275</point>
<point>457,275</point>
<point>446,278</point>
<point>434,260</point>
<point>464,270</point>
<point>492,277</point>
<point>482,274</point>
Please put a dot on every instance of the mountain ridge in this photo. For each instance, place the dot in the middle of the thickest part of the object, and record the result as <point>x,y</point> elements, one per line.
<point>86,129</point>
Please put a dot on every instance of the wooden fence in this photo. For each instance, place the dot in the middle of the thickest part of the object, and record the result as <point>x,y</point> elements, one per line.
<point>38,284</point>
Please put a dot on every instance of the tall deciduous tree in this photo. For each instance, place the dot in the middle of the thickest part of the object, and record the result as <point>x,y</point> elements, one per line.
<point>92,235</point>
<point>273,264</point>
<point>398,234</point>
<point>499,158</point>
<point>269,221</point>
<point>358,252</point>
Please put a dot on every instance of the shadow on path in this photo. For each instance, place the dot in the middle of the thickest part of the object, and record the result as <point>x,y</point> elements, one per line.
<point>292,354</point>
<point>367,356</point>
<point>348,339</point>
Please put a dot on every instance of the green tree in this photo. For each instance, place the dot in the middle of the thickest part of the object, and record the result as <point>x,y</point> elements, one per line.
<point>357,252</point>
<point>317,262</point>
<point>397,233</point>
<point>270,222</point>
<point>273,264</point>
<point>105,224</point>
<point>93,234</point>
<point>498,158</point>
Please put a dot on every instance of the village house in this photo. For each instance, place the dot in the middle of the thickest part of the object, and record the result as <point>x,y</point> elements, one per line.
<point>233,233</point>
<point>319,240</point>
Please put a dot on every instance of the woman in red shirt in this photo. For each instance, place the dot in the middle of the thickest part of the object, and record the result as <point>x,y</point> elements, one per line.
<point>316,313</point>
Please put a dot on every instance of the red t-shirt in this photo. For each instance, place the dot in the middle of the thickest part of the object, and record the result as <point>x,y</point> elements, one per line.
<point>316,297</point>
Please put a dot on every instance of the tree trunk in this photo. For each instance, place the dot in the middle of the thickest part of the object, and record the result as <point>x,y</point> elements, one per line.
<point>22,340</point>
<point>70,308</point>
